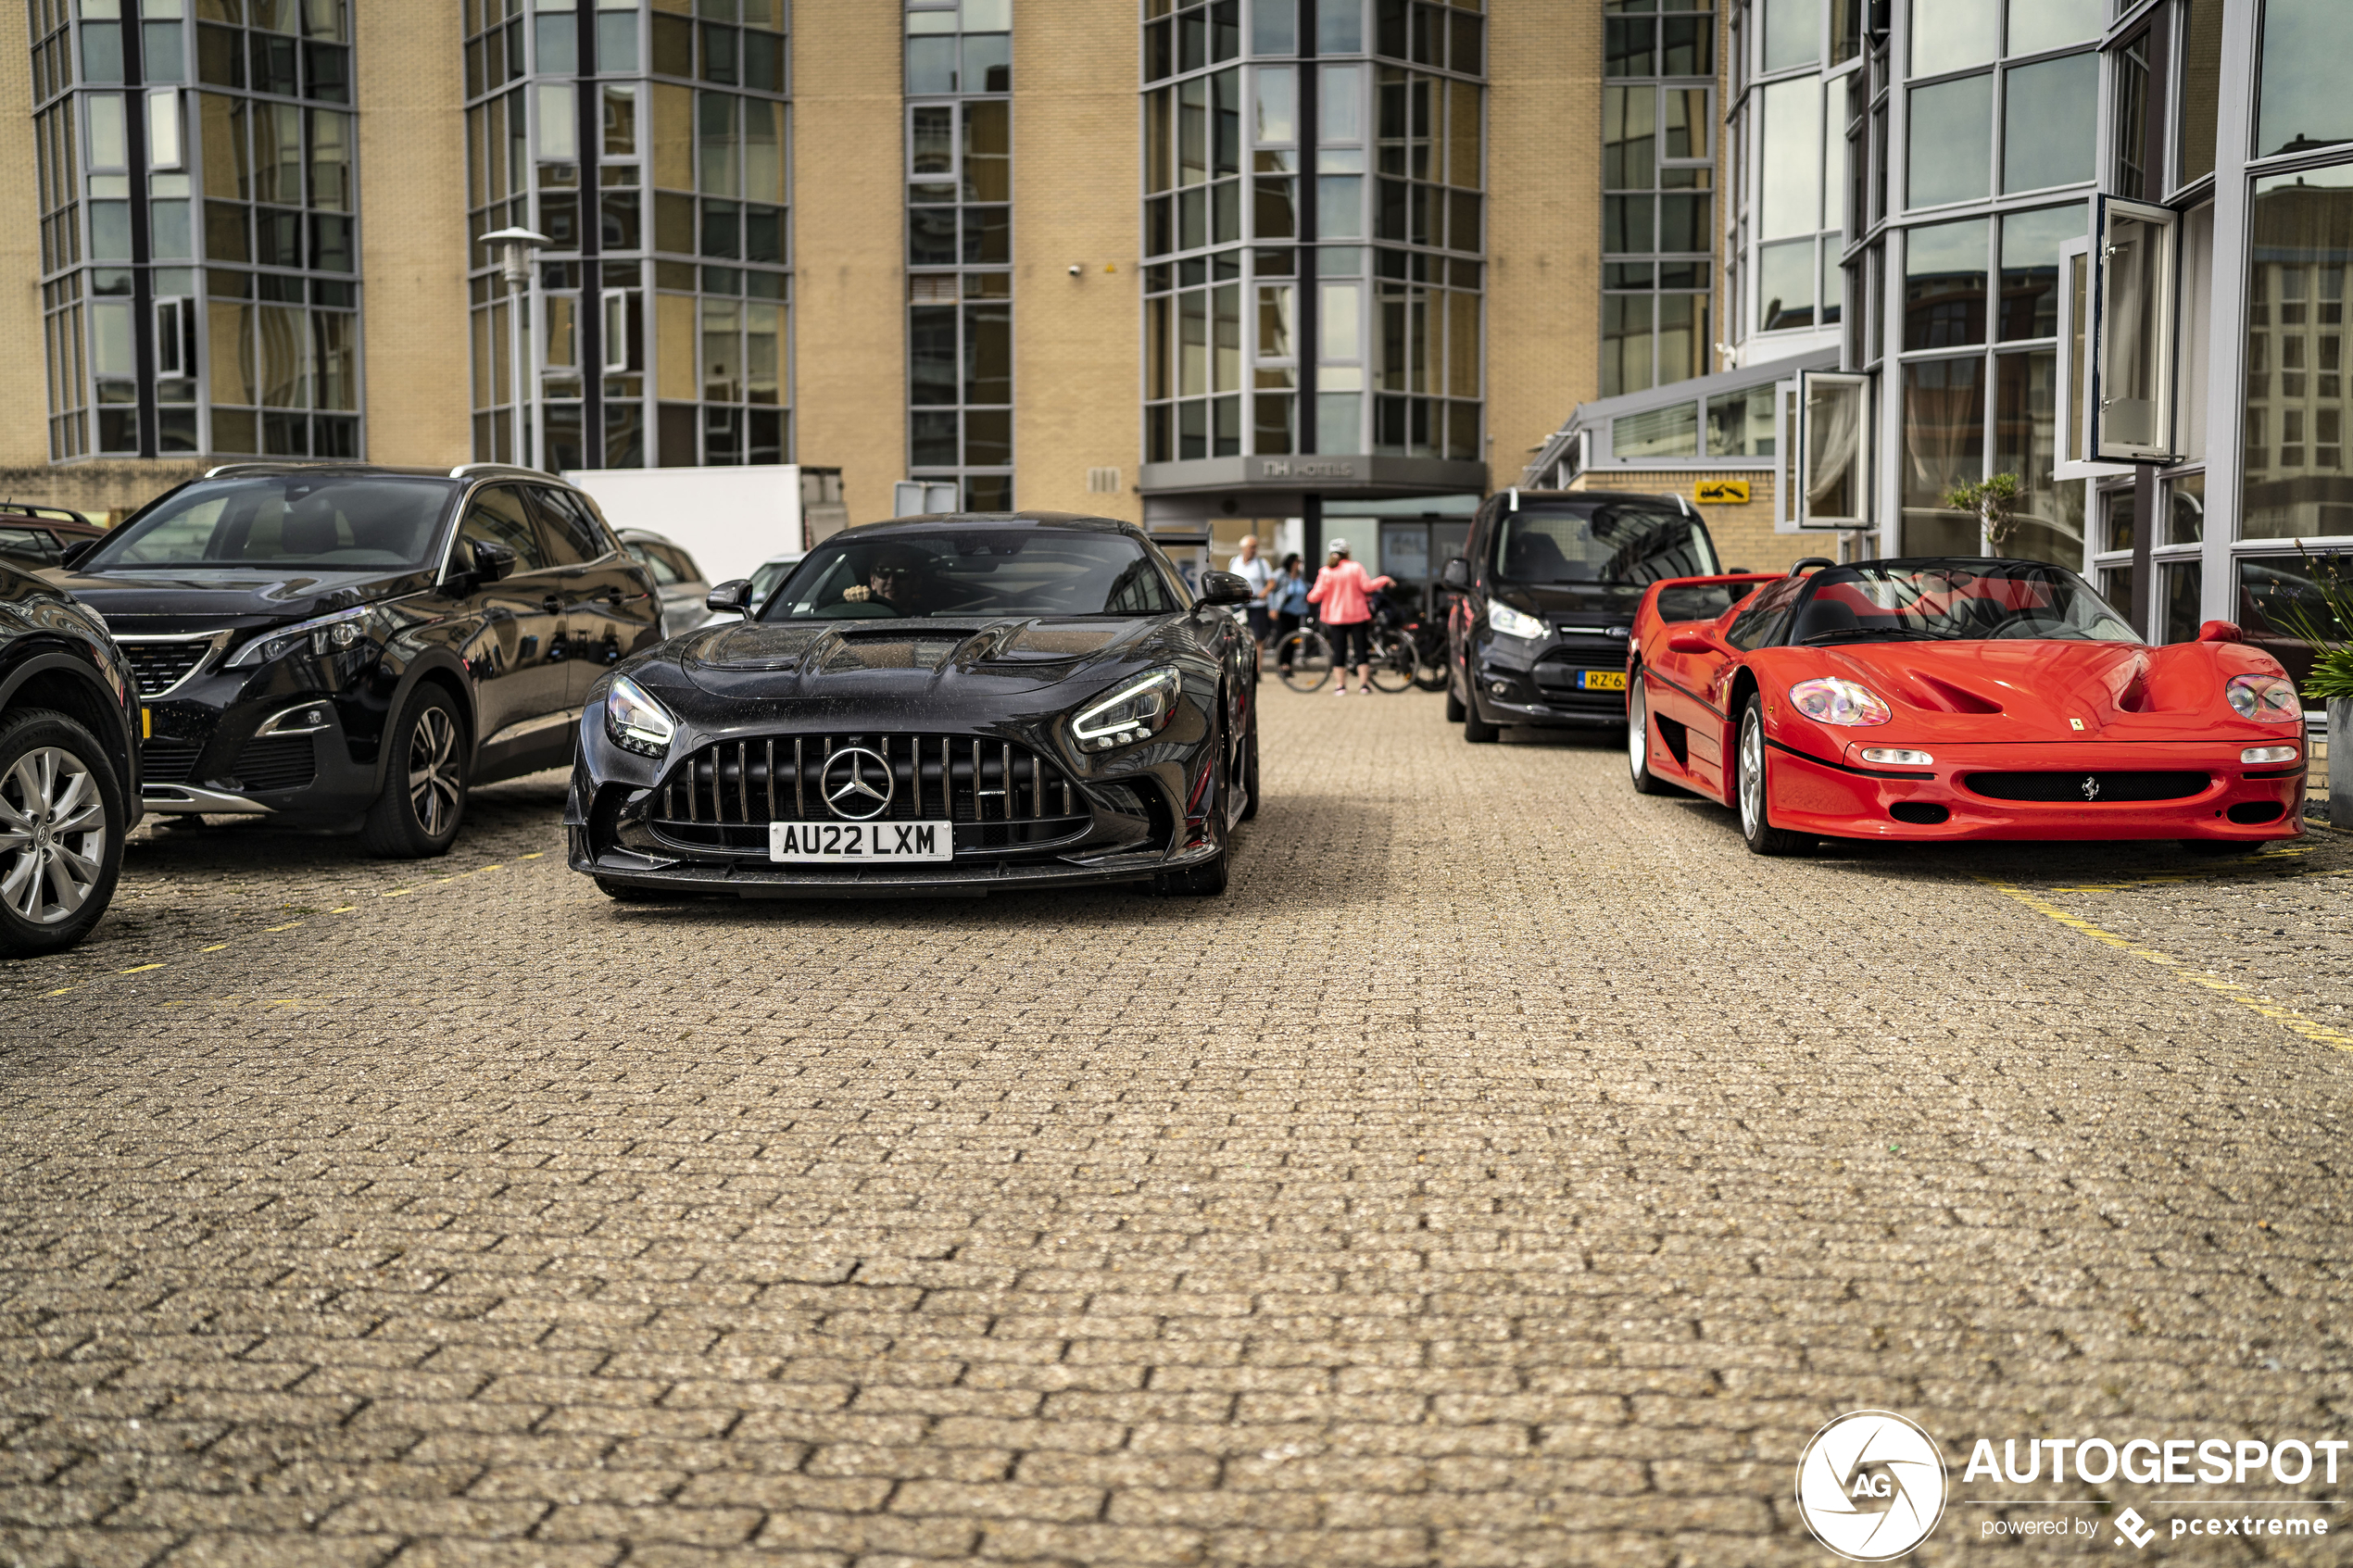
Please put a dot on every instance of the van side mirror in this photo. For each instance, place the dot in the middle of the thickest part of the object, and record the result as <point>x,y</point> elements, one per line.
<point>1454,574</point>
<point>731,597</point>
<point>493,562</point>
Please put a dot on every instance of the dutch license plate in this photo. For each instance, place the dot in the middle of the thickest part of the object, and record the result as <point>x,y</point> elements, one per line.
<point>805,842</point>
<point>1601,680</point>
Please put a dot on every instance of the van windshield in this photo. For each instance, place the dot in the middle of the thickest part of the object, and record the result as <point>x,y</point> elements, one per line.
<point>271,522</point>
<point>1606,545</point>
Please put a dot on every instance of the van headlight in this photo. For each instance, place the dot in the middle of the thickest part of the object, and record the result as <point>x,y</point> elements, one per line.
<point>1512,622</point>
<point>1135,711</point>
<point>635,721</point>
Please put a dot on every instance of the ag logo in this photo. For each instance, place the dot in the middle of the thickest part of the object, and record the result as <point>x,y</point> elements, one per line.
<point>1870,1486</point>
<point>857,783</point>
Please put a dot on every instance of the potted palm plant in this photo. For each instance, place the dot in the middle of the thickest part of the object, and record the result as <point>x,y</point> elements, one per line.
<point>2331,680</point>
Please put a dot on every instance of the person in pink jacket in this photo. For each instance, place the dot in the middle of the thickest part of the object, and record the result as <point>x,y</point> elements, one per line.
<point>1342,597</point>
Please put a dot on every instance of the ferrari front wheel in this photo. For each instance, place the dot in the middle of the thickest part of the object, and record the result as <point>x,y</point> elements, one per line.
<point>1755,807</point>
<point>1638,739</point>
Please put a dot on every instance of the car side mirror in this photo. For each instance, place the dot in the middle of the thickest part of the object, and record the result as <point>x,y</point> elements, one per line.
<point>1454,574</point>
<point>1689,642</point>
<point>2220,632</point>
<point>731,597</point>
<point>72,554</point>
<point>1225,588</point>
<point>492,563</point>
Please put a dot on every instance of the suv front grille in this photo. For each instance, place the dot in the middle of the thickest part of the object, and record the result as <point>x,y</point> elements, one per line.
<point>161,665</point>
<point>999,794</point>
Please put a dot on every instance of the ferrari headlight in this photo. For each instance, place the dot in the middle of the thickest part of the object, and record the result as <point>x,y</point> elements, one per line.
<point>1833,701</point>
<point>2269,697</point>
<point>326,635</point>
<point>1140,708</point>
<point>635,721</point>
<point>1510,622</point>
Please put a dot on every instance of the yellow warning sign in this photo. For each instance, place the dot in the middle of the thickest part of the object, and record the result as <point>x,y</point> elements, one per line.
<point>1723,491</point>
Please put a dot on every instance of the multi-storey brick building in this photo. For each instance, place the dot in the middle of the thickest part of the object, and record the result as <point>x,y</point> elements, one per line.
<point>1186,260</point>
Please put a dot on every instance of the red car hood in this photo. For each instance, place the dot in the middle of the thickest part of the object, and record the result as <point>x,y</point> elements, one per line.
<point>2053,691</point>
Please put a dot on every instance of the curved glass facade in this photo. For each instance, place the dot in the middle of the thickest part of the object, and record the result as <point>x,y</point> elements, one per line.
<point>1313,176</point>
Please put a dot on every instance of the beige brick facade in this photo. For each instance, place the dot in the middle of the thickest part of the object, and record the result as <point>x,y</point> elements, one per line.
<point>1076,175</point>
<point>849,310</point>
<point>1077,370</point>
<point>413,232</point>
<point>24,433</point>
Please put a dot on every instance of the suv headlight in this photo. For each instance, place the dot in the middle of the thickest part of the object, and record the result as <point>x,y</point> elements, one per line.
<point>1833,701</point>
<point>328,633</point>
<point>1136,711</point>
<point>1512,622</point>
<point>635,721</point>
<point>2269,697</point>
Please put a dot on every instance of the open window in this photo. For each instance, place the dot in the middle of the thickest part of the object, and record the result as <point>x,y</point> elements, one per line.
<point>1834,450</point>
<point>2074,433</point>
<point>2133,333</point>
<point>616,338</point>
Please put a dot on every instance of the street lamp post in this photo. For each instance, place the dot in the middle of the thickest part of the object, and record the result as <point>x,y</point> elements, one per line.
<point>516,246</point>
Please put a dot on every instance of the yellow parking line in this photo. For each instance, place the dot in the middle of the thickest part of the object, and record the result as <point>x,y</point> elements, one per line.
<point>2295,1022</point>
<point>345,910</point>
<point>288,926</point>
<point>214,948</point>
<point>139,969</point>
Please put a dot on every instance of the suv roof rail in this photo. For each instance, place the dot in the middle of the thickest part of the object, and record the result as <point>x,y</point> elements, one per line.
<point>511,471</point>
<point>55,514</point>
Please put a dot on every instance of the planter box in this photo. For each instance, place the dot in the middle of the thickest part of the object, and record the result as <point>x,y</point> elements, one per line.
<point>2341,763</point>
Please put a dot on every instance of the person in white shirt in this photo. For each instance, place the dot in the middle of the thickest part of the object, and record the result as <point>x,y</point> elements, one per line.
<point>1248,563</point>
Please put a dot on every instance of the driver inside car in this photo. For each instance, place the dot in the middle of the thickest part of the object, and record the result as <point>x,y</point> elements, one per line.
<point>898,577</point>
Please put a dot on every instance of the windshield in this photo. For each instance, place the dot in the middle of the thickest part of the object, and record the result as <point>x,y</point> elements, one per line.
<point>1604,546</point>
<point>979,573</point>
<point>1955,601</point>
<point>346,522</point>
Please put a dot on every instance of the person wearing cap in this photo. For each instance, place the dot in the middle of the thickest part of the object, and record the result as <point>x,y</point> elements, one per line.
<point>895,577</point>
<point>1342,596</point>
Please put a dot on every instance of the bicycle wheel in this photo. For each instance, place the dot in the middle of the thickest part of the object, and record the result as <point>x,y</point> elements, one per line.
<point>1304,661</point>
<point>1393,662</point>
<point>1429,664</point>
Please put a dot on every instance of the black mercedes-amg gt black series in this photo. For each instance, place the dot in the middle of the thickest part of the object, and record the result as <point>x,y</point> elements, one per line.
<point>950,704</point>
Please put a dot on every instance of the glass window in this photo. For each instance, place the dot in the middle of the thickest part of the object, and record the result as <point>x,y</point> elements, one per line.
<point>2295,484</point>
<point>2037,25</point>
<point>2179,586</point>
<point>1944,284</point>
<point>287,519</point>
<point>1944,445</point>
<point>2047,523</point>
<point>572,535</point>
<point>2301,101</point>
<point>1785,285</point>
<point>497,517</point>
<point>2201,85</point>
<point>1953,35</point>
<point>1671,432</point>
<point>2030,243</point>
<point>2047,133</point>
<point>1740,424</point>
<point>1952,142</point>
<point>1789,200</point>
<point>2280,595</point>
<point>1792,33</point>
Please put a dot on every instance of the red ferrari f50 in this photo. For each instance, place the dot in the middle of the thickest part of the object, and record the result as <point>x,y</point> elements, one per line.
<point>1951,700</point>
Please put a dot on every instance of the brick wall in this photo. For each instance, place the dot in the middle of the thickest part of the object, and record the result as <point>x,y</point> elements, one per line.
<point>24,389</point>
<point>412,230</point>
<point>1077,373</point>
<point>850,315</point>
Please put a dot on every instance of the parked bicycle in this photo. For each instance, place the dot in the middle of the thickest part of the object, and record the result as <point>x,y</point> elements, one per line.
<point>1303,658</point>
<point>1427,635</point>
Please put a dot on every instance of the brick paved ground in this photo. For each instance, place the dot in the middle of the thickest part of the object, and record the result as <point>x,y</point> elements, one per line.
<point>1509,1170</point>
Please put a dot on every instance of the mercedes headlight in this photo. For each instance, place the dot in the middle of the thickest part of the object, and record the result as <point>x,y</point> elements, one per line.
<point>1833,701</point>
<point>328,633</point>
<point>1512,622</point>
<point>1135,711</point>
<point>634,721</point>
<point>2269,697</point>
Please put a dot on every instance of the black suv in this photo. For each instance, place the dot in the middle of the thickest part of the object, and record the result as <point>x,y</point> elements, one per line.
<point>69,766</point>
<point>1544,595</point>
<point>355,645</point>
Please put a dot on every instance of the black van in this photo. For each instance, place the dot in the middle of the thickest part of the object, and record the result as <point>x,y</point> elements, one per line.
<point>1543,599</point>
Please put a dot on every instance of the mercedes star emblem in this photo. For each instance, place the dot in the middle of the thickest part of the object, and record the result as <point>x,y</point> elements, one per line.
<point>857,783</point>
<point>2091,788</point>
